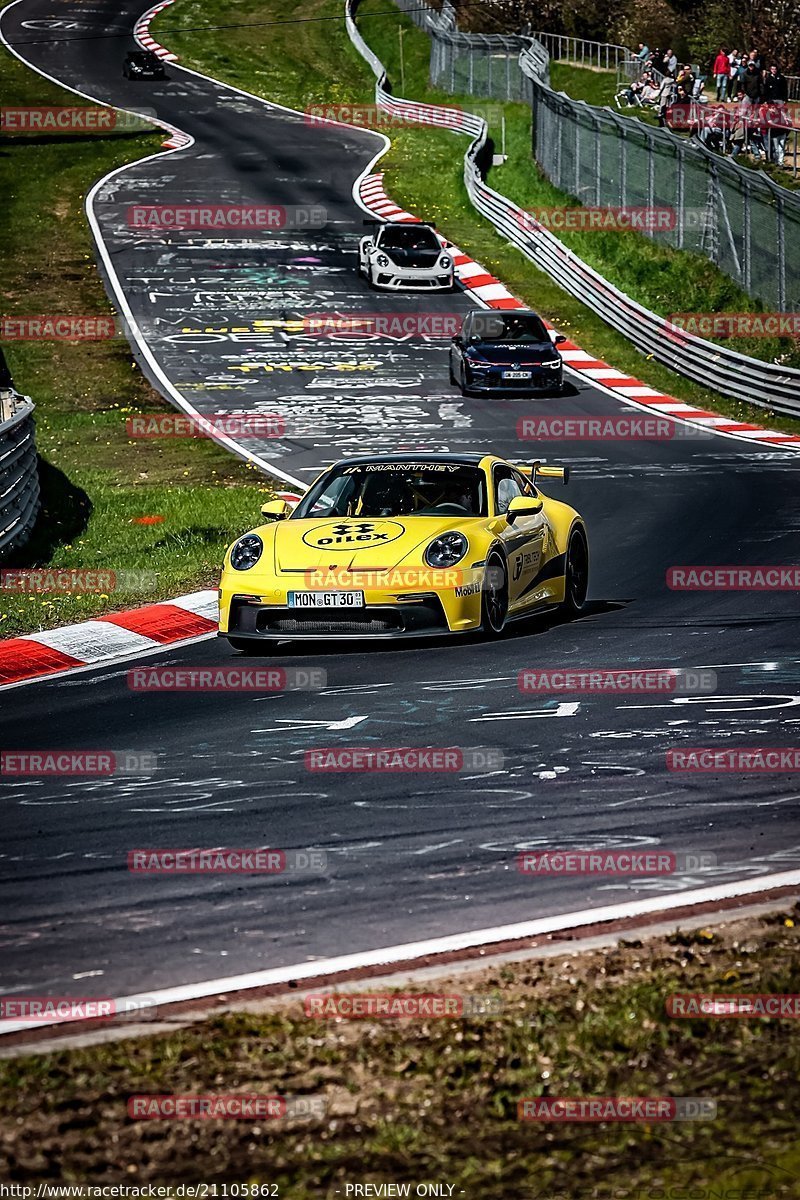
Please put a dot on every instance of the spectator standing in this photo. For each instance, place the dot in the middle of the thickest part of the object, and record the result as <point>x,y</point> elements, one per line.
<point>755,58</point>
<point>779,123</point>
<point>734,62</point>
<point>722,71</point>
<point>751,84</point>
<point>740,127</point>
<point>643,53</point>
<point>670,62</point>
<point>665,98</point>
<point>775,86</point>
<point>759,130</point>
<point>684,85</point>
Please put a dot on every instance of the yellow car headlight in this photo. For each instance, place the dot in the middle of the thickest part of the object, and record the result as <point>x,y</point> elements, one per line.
<point>247,551</point>
<point>447,549</point>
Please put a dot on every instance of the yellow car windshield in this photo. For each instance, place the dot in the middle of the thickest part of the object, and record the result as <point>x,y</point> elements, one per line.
<point>394,489</point>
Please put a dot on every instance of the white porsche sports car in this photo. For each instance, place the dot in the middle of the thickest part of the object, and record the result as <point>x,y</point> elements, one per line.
<point>406,255</point>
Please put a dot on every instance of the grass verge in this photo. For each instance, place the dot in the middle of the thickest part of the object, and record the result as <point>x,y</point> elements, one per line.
<point>412,1101</point>
<point>425,175</point>
<point>97,483</point>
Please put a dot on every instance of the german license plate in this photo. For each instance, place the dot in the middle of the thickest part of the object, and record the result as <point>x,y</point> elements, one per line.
<point>516,374</point>
<point>326,599</point>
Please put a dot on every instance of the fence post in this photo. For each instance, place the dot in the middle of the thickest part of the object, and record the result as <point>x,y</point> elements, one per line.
<point>651,170</point>
<point>747,234</point>
<point>780,220</point>
<point>680,192</point>
<point>597,123</point>
<point>623,166</point>
<point>577,191</point>
<point>559,125</point>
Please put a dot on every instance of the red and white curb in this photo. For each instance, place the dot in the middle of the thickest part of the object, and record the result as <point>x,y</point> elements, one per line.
<point>141,32</point>
<point>118,635</point>
<point>494,294</point>
<point>143,38</point>
<point>108,638</point>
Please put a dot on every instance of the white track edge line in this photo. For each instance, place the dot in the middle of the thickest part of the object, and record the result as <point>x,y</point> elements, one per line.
<point>404,952</point>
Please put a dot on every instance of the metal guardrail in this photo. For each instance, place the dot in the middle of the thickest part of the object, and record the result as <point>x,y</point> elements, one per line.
<point>19,477</point>
<point>582,52</point>
<point>737,375</point>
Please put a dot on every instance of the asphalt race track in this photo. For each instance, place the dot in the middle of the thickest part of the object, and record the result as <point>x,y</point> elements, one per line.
<point>408,856</point>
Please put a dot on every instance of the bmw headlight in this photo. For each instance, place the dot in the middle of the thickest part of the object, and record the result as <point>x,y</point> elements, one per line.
<point>382,260</point>
<point>446,550</point>
<point>445,262</point>
<point>246,553</point>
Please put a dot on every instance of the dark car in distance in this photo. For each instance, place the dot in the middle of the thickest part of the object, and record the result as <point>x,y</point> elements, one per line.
<point>509,351</point>
<point>143,64</point>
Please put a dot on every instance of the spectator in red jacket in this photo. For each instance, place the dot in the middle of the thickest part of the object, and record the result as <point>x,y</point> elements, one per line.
<point>722,71</point>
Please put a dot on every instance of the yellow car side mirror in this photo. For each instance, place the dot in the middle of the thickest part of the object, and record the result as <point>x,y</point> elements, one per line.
<point>523,506</point>
<point>276,510</point>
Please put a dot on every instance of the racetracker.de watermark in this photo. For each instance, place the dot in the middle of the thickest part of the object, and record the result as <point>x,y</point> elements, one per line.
<point>733,1004</point>
<point>598,220</point>
<point>227,679</point>
<point>34,1010</point>
<point>57,327</point>
<point>38,580</point>
<point>745,760</point>
<point>393,578</point>
<point>373,116</point>
<point>223,861</point>
<point>239,425</point>
<point>78,762</point>
<point>240,1106</point>
<point>626,861</point>
<point>629,428</point>
<point>51,119</point>
<point>618,680</point>
<point>364,1006</point>
<point>236,218</point>
<point>429,325</point>
<point>645,1109</point>
<point>733,579</point>
<point>736,325</point>
<point>396,760</point>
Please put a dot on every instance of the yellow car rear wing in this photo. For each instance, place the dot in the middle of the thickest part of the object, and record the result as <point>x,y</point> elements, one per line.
<point>537,469</point>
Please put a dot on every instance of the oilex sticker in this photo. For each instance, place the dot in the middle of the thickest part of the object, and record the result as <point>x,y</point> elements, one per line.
<point>347,536</point>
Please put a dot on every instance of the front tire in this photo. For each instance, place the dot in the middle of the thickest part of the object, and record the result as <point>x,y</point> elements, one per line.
<point>576,575</point>
<point>494,596</point>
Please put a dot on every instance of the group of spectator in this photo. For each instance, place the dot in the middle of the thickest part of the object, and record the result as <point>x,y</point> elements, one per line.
<point>735,74</point>
<point>759,123</point>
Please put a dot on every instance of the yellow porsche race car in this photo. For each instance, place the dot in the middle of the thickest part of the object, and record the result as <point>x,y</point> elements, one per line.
<point>389,546</point>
